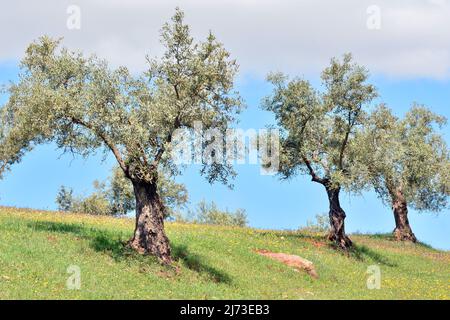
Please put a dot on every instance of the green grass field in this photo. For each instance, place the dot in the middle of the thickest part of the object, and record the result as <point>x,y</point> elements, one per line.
<point>36,249</point>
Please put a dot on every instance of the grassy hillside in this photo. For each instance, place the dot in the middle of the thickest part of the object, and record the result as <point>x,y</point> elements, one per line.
<point>36,248</point>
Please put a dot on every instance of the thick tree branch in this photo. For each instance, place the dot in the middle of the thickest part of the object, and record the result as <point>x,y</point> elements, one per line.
<point>161,150</point>
<point>107,141</point>
<point>344,142</point>
<point>314,176</point>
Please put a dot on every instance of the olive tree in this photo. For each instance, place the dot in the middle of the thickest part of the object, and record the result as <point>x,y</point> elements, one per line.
<point>406,161</point>
<point>318,127</point>
<point>82,105</point>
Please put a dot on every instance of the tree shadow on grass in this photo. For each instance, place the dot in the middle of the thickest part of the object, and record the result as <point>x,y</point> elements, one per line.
<point>195,263</point>
<point>109,242</point>
<point>114,244</point>
<point>361,252</point>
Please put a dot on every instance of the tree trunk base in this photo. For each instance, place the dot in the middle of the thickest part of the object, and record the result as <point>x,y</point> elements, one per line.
<point>342,242</point>
<point>163,254</point>
<point>404,235</point>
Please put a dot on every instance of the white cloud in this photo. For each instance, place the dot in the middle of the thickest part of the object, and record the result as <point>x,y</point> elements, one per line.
<point>298,37</point>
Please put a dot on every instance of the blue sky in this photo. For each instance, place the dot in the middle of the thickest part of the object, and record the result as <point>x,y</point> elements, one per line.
<point>269,202</point>
<point>408,54</point>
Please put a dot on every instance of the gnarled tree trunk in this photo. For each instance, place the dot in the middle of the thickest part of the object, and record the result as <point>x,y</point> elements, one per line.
<point>149,236</point>
<point>402,231</point>
<point>337,217</point>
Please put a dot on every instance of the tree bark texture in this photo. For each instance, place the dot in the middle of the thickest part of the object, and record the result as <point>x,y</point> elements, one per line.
<point>149,235</point>
<point>337,219</point>
<point>402,231</point>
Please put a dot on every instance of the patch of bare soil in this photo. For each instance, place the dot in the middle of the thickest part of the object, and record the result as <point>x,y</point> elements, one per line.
<point>291,260</point>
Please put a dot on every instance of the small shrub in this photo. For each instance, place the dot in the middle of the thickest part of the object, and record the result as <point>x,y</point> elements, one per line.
<point>94,204</point>
<point>64,199</point>
<point>209,213</point>
<point>319,225</point>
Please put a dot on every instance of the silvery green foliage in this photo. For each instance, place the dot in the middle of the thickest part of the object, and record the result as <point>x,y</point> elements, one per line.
<point>406,154</point>
<point>318,126</point>
<point>83,105</point>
